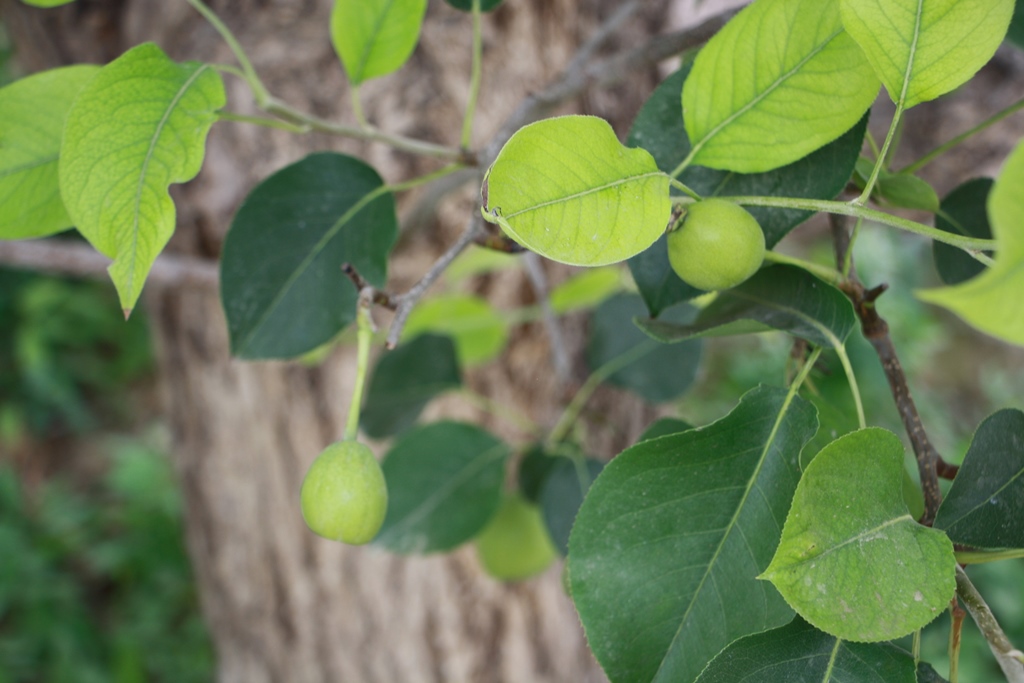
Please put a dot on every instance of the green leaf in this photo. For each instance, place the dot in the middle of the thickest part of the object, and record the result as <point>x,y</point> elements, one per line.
<point>47,3</point>
<point>32,114</point>
<point>655,371</point>
<point>444,485</point>
<point>778,297</point>
<point>800,653</point>
<point>991,302</point>
<point>985,505</point>
<point>925,48</point>
<point>1015,34</point>
<point>478,261</point>
<point>852,561</point>
<point>405,381</point>
<point>663,427</point>
<point>282,286</point>
<point>906,191</point>
<point>467,5</point>
<point>375,37</point>
<point>671,536</point>
<point>137,127</point>
<point>585,290</point>
<point>568,190</point>
<point>755,102</point>
<point>535,467</point>
<point>963,213</point>
<point>927,674</point>
<point>479,332</point>
<point>659,128</point>
<point>562,494</point>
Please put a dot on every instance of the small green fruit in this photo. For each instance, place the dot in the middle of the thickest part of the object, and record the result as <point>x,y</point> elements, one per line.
<point>344,495</point>
<point>718,246</point>
<point>515,544</point>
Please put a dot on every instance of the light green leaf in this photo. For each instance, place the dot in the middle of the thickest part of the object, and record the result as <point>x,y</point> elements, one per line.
<point>47,3</point>
<point>568,190</point>
<point>375,37</point>
<point>991,302</point>
<point>479,332</point>
<point>672,534</point>
<point>852,561</point>
<point>925,48</point>
<point>137,127</point>
<point>586,289</point>
<point>32,113</point>
<point>779,81</point>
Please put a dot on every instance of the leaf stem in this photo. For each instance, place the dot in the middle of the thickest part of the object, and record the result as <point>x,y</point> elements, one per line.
<point>680,186</point>
<point>848,257</point>
<point>357,107</point>
<point>880,160</point>
<point>579,401</point>
<point>956,617</point>
<point>365,336</point>
<point>983,556</point>
<point>262,121</point>
<point>849,209</point>
<point>830,275</point>
<point>946,146</point>
<point>851,379</point>
<point>474,77</point>
<point>259,90</point>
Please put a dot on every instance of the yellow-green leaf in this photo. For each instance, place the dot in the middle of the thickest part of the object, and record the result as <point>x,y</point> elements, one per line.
<point>32,113</point>
<point>992,301</point>
<point>138,126</point>
<point>779,81</point>
<point>567,189</point>
<point>375,37</point>
<point>925,48</point>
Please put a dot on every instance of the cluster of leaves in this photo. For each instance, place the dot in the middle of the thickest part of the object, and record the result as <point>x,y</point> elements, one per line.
<point>749,547</point>
<point>95,584</point>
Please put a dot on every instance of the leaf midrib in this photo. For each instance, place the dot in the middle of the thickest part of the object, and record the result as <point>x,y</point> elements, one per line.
<point>371,44</point>
<point>584,193</point>
<point>133,252</point>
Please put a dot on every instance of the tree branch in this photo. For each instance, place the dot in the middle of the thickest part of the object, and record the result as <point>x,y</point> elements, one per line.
<point>1011,660</point>
<point>64,257</point>
<point>559,351</point>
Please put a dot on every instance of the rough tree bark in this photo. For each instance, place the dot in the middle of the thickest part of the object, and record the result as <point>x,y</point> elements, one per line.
<point>282,604</point>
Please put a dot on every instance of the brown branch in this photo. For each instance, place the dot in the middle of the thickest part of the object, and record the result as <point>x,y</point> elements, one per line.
<point>64,257</point>
<point>876,331</point>
<point>367,291</point>
<point>1011,660</point>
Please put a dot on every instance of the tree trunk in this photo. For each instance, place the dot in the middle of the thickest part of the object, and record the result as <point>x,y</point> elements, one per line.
<point>282,604</point>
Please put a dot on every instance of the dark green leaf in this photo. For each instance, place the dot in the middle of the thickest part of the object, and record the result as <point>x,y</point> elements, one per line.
<point>800,653</point>
<point>1016,33</point>
<point>671,536</point>
<point>534,469</point>
<point>663,427</point>
<point>444,485</point>
<point>562,495</point>
<point>927,674</point>
<point>405,380</point>
<point>779,297</point>
<point>467,5</point>
<point>963,212</point>
<point>658,283</point>
<point>658,372</point>
<point>985,506</point>
<point>282,286</point>
<point>907,191</point>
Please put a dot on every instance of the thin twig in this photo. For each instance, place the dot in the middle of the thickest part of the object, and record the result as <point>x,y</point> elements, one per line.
<point>606,72</point>
<point>407,301</point>
<point>559,351</point>
<point>600,36</point>
<point>64,257</point>
<point>876,331</point>
<point>1011,660</point>
<point>366,290</point>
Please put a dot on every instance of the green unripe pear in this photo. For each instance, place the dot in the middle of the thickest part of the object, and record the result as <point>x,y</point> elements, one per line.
<point>718,246</point>
<point>344,495</point>
<point>515,544</point>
